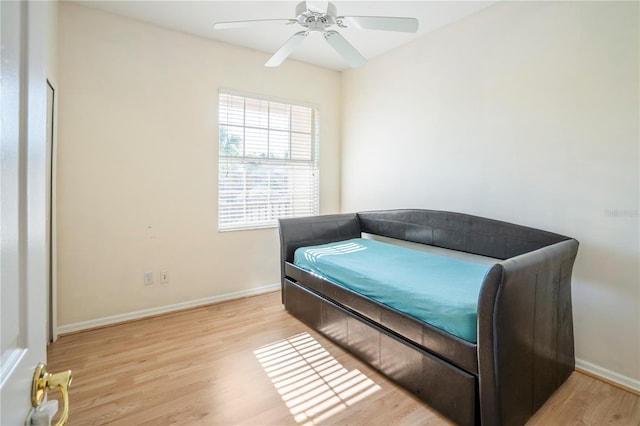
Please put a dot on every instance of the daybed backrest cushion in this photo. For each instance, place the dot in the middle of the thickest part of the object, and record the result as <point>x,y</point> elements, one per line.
<point>457,231</point>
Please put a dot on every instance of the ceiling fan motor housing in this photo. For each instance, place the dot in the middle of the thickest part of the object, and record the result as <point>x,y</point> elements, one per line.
<point>315,20</point>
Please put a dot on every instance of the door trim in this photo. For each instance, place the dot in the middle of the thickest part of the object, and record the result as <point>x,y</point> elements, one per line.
<point>52,156</point>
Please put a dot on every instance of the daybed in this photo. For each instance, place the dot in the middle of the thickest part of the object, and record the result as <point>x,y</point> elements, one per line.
<point>524,343</point>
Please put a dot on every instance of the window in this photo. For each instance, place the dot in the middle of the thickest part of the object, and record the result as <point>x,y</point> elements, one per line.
<point>268,162</point>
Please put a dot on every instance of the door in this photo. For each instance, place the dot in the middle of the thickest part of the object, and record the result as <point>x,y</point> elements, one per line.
<point>23,182</point>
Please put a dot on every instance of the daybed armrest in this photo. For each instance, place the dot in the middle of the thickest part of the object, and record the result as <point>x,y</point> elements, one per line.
<point>525,332</point>
<point>314,230</point>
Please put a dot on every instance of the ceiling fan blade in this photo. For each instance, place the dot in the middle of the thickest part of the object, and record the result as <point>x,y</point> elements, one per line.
<point>286,49</point>
<point>317,6</point>
<point>254,23</point>
<point>384,23</point>
<point>345,49</point>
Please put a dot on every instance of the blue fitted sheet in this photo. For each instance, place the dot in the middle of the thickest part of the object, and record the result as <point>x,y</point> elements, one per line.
<point>439,290</point>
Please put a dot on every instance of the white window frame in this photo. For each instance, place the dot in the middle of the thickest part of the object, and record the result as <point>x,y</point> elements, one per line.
<point>309,167</point>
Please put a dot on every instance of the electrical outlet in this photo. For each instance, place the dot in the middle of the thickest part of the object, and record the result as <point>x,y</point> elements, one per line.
<point>148,278</point>
<point>164,277</point>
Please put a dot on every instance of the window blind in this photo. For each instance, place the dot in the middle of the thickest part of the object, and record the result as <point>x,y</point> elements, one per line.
<point>268,162</point>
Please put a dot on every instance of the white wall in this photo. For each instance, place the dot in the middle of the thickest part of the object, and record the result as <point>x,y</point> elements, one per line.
<point>137,164</point>
<point>526,112</point>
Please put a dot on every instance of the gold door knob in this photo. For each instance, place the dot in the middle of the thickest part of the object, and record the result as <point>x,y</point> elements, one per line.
<point>44,382</point>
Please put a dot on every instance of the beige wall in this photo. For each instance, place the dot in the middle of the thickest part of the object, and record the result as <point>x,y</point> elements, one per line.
<point>526,112</point>
<point>137,164</point>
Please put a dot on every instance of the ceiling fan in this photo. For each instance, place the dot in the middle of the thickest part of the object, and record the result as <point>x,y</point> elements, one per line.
<point>321,16</point>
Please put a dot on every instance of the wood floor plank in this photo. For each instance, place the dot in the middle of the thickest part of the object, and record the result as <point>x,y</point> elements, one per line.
<point>248,362</point>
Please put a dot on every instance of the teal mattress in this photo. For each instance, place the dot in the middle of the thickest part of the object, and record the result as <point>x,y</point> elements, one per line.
<point>439,290</point>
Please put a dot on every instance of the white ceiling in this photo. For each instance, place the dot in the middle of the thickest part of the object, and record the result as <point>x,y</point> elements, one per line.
<point>198,17</point>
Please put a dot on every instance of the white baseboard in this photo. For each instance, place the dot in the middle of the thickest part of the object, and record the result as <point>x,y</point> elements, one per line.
<point>101,322</point>
<point>608,375</point>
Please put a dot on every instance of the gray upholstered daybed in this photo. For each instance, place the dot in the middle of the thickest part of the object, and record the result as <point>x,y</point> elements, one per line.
<point>523,349</point>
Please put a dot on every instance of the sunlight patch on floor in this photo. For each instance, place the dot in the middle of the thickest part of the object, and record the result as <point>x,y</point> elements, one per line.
<point>312,383</point>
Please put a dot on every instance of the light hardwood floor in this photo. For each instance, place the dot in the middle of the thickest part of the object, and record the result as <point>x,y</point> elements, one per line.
<point>248,362</point>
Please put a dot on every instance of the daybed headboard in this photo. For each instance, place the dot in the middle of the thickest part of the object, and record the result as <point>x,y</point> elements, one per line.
<point>457,231</point>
